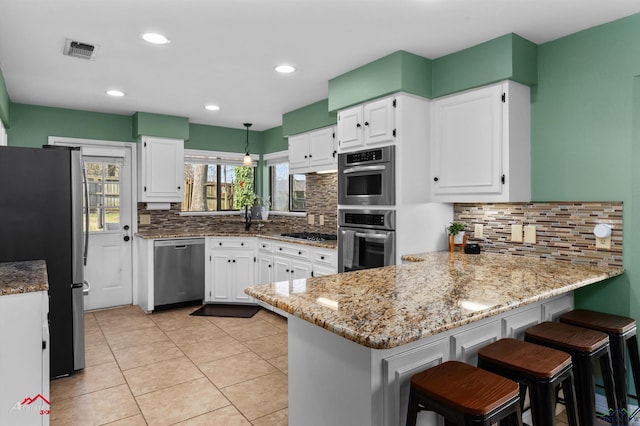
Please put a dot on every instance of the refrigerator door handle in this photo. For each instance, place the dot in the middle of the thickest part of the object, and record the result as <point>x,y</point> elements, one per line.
<point>85,184</point>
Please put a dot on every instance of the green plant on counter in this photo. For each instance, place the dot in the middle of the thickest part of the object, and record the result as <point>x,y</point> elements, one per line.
<point>455,228</point>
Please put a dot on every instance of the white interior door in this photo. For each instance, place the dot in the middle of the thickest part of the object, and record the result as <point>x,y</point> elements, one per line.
<point>108,268</point>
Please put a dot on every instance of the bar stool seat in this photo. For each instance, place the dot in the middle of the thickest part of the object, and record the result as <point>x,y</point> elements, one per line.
<point>621,332</point>
<point>585,347</point>
<point>540,369</point>
<point>464,395</point>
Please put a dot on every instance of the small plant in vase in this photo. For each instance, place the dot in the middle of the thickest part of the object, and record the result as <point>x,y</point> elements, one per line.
<point>456,232</point>
<point>260,209</point>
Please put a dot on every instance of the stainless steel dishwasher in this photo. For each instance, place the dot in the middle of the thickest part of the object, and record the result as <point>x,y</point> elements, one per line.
<point>178,272</point>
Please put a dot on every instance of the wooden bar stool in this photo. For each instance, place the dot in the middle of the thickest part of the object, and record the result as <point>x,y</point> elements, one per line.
<point>464,395</point>
<point>540,369</point>
<point>585,347</point>
<point>621,332</point>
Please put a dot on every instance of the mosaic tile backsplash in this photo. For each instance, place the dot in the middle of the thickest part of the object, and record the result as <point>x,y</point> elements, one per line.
<point>564,230</point>
<point>322,199</point>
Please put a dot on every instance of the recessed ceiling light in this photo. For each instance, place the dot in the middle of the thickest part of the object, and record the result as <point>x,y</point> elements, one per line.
<point>155,38</point>
<point>212,107</point>
<point>285,69</point>
<point>115,93</point>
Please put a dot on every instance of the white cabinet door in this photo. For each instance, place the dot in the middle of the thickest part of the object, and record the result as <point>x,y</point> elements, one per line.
<point>243,267</point>
<point>282,268</point>
<point>481,145</point>
<point>299,151</point>
<point>221,275</point>
<point>265,269</point>
<point>350,131</point>
<point>300,269</point>
<point>313,151</point>
<point>322,270</point>
<point>322,150</point>
<point>467,142</point>
<point>379,122</point>
<point>161,169</point>
<point>22,362</point>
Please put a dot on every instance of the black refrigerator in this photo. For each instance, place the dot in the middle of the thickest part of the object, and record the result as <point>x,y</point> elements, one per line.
<point>41,215</point>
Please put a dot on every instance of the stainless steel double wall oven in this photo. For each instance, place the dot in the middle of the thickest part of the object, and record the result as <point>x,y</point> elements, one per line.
<point>366,229</point>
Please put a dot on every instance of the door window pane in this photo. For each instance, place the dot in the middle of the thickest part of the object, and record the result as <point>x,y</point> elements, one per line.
<point>103,181</point>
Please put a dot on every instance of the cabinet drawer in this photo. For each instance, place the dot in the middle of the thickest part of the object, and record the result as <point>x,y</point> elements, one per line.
<point>293,251</point>
<point>325,257</point>
<point>265,246</point>
<point>239,243</point>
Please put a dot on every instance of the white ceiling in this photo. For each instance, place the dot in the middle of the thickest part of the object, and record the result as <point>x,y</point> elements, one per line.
<point>224,51</point>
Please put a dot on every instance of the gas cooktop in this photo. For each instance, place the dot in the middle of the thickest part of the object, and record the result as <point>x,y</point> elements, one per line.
<point>311,236</point>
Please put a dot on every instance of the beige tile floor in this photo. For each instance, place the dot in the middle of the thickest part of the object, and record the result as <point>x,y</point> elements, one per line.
<point>171,368</point>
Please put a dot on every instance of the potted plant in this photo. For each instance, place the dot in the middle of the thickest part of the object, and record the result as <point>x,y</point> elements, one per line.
<point>456,230</point>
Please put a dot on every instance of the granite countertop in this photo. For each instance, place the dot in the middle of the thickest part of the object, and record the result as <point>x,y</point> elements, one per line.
<point>392,306</point>
<point>23,277</point>
<point>177,233</point>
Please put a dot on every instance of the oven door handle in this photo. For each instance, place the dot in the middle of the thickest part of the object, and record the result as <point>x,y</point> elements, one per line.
<point>363,169</point>
<point>366,235</point>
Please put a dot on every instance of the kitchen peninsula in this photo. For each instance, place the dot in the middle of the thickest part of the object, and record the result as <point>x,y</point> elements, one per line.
<point>356,338</point>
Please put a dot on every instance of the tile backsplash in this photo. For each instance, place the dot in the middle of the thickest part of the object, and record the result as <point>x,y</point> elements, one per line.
<point>564,230</point>
<point>321,198</point>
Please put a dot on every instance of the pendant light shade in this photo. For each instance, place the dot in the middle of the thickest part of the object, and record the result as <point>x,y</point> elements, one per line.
<point>247,157</point>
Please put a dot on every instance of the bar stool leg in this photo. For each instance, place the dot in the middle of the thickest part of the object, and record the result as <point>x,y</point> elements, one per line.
<point>585,385</point>
<point>570,400</point>
<point>412,413</point>
<point>607,378</point>
<point>634,360</point>
<point>616,346</point>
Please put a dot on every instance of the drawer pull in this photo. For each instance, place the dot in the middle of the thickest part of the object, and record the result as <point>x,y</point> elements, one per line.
<point>299,252</point>
<point>321,257</point>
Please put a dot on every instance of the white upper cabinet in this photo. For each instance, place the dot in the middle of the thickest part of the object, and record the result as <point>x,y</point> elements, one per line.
<point>370,124</point>
<point>313,151</point>
<point>480,147</point>
<point>160,169</point>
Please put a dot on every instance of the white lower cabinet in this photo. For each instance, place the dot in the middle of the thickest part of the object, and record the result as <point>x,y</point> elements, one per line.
<point>231,270</point>
<point>290,269</point>
<point>24,359</point>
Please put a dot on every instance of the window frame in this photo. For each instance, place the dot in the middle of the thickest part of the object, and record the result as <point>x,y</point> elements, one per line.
<point>271,160</point>
<point>218,158</point>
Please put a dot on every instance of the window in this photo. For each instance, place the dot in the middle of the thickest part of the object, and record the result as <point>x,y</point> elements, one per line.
<point>215,183</point>
<point>288,192</point>
<point>103,181</point>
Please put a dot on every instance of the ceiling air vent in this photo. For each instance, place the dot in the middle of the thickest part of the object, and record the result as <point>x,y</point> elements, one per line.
<point>78,49</point>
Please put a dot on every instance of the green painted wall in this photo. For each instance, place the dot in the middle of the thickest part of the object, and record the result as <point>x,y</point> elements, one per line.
<point>168,126</point>
<point>509,57</point>
<point>31,125</point>
<point>582,146</point>
<point>4,102</point>
<point>216,138</point>
<point>399,71</point>
<point>310,117</point>
<point>273,140</point>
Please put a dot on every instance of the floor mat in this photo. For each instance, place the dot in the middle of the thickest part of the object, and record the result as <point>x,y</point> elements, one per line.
<point>227,310</point>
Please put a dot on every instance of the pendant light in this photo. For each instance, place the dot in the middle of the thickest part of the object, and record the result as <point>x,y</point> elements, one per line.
<point>247,158</point>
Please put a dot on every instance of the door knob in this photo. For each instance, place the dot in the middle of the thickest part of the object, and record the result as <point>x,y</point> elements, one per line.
<point>126,227</point>
<point>127,238</point>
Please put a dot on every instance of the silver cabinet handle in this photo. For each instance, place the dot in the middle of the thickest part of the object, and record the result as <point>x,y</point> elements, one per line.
<point>85,290</point>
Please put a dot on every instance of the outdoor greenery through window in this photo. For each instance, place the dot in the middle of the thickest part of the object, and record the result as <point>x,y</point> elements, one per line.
<point>103,181</point>
<point>288,192</point>
<point>216,187</point>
